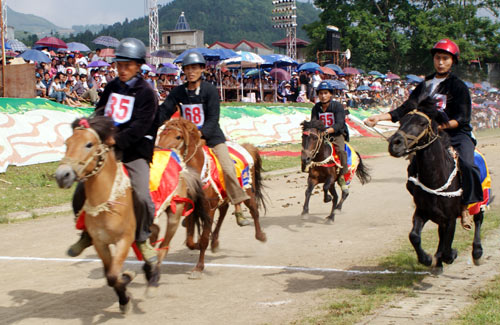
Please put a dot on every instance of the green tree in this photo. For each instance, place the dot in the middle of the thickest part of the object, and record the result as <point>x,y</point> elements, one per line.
<point>396,35</point>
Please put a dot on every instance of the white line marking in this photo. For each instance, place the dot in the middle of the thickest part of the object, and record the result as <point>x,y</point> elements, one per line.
<point>238,266</point>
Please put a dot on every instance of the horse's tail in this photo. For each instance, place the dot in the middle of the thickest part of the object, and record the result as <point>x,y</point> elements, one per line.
<point>258,186</point>
<point>363,171</point>
<point>197,195</point>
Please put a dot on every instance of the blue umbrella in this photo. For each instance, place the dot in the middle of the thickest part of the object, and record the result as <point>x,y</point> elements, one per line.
<point>17,45</point>
<point>170,65</point>
<point>34,55</point>
<point>166,70</point>
<point>486,85</point>
<point>80,47</point>
<point>107,41</point>
<point>335,68</point>
<point>338,84</point>
<point>310,67</point>
<point>163,54</point>
<point>363,88</point>
<point>208,54</point>
<point>361,71</point>
<point>98,64</point>
<point>375,73</point>
<point>278,60</point>
<point>414,78</point>
<point>469,84</point>
<point>251,73</point>
<point>225,54</point>
<point>7,46</point>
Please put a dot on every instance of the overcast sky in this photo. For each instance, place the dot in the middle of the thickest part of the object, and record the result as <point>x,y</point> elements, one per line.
<point>66,13</point>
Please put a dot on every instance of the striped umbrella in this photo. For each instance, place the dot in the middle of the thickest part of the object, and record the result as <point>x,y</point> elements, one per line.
<point>17,45</point>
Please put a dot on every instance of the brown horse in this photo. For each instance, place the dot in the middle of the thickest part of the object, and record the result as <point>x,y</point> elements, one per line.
<point>182,135</point>
<point>110,218</point>
<point>316,160</point>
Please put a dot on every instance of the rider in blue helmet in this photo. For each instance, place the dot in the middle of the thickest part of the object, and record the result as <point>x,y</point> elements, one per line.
<point>332,114</point>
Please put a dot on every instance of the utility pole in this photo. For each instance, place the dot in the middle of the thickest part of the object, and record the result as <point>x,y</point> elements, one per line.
<point>287,19</point>
<point>154,32</point>
<point>2,25</point>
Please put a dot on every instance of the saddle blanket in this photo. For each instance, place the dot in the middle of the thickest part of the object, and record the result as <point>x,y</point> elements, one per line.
<point>212,170</point>
<point>352,161</point>
<point>480,162</point>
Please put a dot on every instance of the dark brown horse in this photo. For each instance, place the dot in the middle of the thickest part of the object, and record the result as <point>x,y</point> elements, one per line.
<point>316,158</point>
<point>182,135</point>
<point>110,218</point>
<point>436,190</point>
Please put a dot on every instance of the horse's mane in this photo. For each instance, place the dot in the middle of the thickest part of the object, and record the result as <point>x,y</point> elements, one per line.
<point>313,124</point>
<point>103,125</point>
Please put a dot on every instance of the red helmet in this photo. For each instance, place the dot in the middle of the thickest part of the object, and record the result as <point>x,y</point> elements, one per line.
<point>447,46</point>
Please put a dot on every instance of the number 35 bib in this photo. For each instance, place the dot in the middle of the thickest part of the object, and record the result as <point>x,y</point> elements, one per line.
<point>194,113</point>
<point>119,108</point>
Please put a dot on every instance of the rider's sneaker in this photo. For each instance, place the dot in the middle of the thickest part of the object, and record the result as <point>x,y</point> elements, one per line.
<point>148,252</point>
<point>467,220</point>
<point>78,247</point>
<point>241,220</point>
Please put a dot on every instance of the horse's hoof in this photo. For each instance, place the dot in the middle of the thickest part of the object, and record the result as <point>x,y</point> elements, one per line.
<point>478,261</point>
<point>327,199</point>
<point>329,220</point>
<point>304,216</point>
<point>215,247</point>
<point>437,270</point>
<point>151,292</point>
<point>261,237</point>
<point>124,309</point>
<point>195,275</point>
<point>434,262</point>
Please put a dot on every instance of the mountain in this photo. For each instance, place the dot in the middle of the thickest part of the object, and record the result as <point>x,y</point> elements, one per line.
<point>221,20</point>
<point>31,23</point>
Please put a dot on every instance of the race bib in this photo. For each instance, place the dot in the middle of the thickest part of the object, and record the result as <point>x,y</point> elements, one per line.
<point>327,118</point>
<point>194,113</point>
<point>440,102</point>
<point>119,108</point>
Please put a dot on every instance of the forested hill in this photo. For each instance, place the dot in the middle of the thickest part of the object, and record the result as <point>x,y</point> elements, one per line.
<point>222,20</point>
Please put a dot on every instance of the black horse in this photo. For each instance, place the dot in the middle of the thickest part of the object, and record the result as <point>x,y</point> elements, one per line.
<point>317,160</point>
<point>436,189</point>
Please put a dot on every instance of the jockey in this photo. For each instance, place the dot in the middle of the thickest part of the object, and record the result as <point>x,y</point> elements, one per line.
<point>453,99</point>
<point>135,138</point>
<point>199,102</point>
<point>332,114</point>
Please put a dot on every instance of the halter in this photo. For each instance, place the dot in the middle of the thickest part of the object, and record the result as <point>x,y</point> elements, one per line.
<point>321,137</point>
<point>328,159</point>
<point>79,166</point>
<point>416,139</point>
<point>181,144</point>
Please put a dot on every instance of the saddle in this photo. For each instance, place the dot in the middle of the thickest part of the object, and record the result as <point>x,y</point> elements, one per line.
<point>334,161</point>
<point>480,162</point>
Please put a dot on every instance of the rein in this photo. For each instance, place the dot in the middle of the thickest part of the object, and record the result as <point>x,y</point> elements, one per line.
<point>416,139</point>
<point>79,166</point>
<point>320,142</point>
<point>179,147</point>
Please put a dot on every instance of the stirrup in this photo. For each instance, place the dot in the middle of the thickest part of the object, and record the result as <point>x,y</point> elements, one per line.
<point>466,220</point>
<point>82,243</point>
<point>241,220</point>
<point>149,254</point>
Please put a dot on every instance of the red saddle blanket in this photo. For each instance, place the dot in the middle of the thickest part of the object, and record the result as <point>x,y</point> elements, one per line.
<point>352,162</point>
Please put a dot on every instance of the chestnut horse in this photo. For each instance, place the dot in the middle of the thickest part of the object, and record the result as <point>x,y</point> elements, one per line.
<point>110,218</point>
<point>183,135</point>
<point>316,157</point>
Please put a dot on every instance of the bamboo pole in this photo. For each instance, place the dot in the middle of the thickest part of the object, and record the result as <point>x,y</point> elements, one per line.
<point>3,49</point>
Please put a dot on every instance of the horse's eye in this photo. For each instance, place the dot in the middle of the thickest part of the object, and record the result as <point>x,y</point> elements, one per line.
<point>89,145</point>
<point>178,137</point>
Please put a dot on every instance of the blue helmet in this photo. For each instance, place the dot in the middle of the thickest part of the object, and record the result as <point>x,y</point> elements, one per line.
<point>325,85</point>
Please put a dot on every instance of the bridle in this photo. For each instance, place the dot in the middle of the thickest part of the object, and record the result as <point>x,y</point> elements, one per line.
<point>415,139</point>
<point>80,166</point>
<point>319,143</point>
<point>181,144</point>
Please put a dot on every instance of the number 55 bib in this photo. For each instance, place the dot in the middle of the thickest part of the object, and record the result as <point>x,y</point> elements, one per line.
<point>194,113</point>
<point>119,108</point>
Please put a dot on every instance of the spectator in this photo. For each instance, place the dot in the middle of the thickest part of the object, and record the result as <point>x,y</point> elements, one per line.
<point>41,89</point>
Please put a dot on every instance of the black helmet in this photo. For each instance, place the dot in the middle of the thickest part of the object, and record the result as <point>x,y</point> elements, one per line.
<point>193,58</point>
<point>131,49</point>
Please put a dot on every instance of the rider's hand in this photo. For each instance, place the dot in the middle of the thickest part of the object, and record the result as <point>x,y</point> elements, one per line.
<point>372,121</point>
<point>330,130</point>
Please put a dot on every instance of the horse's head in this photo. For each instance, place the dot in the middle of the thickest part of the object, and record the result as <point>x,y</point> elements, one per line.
<point>417,129</point>
<point>85,149</point>
<point>178,134</point>
<point>312,137</point>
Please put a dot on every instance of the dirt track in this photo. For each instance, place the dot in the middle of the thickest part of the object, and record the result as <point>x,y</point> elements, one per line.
<point>375,217</point>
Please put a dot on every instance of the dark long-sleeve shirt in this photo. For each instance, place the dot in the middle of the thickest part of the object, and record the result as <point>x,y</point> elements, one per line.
<point>334,116</point>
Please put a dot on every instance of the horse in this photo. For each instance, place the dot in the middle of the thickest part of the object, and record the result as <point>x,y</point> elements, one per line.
<point>436,189</point>
<point>317,160</point>
<point>110,218</point>
<point>183,136</point>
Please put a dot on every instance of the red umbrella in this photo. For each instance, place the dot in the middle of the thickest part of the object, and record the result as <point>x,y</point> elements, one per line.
<point>280,74</point>
<point>328,71</point>
<point>351,70</point>
<point>52,42</point>
<point>478,86</point>
<point>393,76</point>
<point>107,53</point>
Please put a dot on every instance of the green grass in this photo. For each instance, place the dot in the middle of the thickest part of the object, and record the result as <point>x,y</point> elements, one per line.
<point>360,297</point>
<point>292,104</point>
<point>29,187</point>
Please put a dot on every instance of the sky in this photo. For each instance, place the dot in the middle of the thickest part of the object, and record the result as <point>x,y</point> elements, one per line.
<point>66,13</point>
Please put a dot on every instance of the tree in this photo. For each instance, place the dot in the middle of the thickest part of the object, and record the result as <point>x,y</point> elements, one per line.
<point>396,35</point>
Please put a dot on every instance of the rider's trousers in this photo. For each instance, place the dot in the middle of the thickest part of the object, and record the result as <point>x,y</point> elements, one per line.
<point>144,208</point>
<point>339,144</point>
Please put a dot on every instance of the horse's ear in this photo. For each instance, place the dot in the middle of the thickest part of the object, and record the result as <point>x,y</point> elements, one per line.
<point>110,141</point>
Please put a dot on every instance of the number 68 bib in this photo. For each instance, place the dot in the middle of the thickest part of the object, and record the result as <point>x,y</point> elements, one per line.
<point>119,108</point>
<point>194,113</point>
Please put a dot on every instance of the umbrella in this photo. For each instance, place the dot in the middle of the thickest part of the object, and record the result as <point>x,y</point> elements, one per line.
<point>310,67</point>
<point>52,42</point>
<point>393,76</point>
<point>469,84</point>
<point>280,74</point>
<point>414,78</point>
<point>493,90</point>
<point>168,71</point>
<point>478,86</point>
<point>146,67</point>
<point>338,84</point>
<point>208,54</point>
<point>98,64</point>
<point>244,60</point>
<point>107,53</point>
<point>251,73</point>
<point>80,47</point>
<point>34,55</point>
<point>375,73</point>
<point>351,70</point>
<point>328,71</point>
<point>163,54</point>
<point>278,60</point>
<point>363,88</point>
<point>170,65</point>
<point>335,68</point>
<point>225,54</point>
<point>107,41</point>
<point>486,85</point>
<point>10,53</point>
<point>361,71</point>
<point>17,45</point>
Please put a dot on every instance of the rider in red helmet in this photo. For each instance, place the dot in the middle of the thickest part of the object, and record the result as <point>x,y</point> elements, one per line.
<point>453,100</point>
